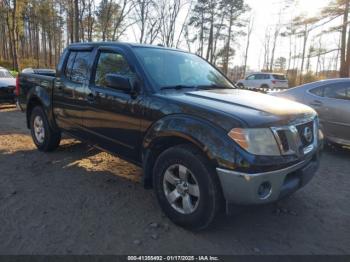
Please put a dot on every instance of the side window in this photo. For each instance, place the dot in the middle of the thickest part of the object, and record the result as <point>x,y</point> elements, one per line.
<point>251,77</point>
<point>77,66</point>
<point>111,63</point>
<point>318,91</point>
<point>69,65</point>
<point>80,68</point>
<point>259,77</point>
<point>338,91</point>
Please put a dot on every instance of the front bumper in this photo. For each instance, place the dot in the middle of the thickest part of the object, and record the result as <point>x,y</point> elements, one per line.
<point>266,187</point>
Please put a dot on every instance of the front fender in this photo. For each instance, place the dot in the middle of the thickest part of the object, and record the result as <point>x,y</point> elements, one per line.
<point>211,139</point>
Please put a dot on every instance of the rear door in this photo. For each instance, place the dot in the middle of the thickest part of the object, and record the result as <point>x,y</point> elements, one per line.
<point>332,103</point>
<point>69,91</point>
<point>336,113</point>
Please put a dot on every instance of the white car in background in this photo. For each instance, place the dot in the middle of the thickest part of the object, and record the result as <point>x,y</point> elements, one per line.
<point>264,81</point>
<point>7,86</point>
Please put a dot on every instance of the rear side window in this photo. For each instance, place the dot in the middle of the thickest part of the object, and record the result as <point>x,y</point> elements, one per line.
<point>279,77</point>
<point>318,91</point>
<point>77,66</point>
<point>338,91</point>
<point>259,76</point>
<point>80,68</point>
<point>111,63</point>
<point>69,65</point>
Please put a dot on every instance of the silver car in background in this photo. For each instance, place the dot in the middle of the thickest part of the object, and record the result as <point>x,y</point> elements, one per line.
<point>331,99</point>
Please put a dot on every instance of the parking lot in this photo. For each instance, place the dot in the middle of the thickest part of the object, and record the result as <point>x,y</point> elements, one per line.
<point>78,200</point>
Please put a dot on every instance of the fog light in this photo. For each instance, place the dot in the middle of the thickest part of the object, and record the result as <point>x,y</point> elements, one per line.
<point>264,190</point>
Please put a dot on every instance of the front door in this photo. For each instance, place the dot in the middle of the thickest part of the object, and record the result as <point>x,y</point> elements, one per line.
<point>113,117</point>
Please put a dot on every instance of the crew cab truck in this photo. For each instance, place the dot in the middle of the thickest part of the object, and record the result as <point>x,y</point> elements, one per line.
<point>201,141</point>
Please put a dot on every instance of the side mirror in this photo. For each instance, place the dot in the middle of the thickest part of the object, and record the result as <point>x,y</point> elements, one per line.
<point>118,82</point>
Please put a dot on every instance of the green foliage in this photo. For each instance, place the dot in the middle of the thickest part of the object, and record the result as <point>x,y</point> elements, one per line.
<point>14,73</point>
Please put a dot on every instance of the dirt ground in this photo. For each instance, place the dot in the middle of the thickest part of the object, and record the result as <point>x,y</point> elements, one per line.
<point>78,200</point>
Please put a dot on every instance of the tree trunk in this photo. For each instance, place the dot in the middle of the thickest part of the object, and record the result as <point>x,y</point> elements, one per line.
<point>227,47</point>
<point>344,71</point>
<point>303,55</point>
<point>76,20</point>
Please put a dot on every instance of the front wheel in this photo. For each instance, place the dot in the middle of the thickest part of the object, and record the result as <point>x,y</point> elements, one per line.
<point>187,187</point>
<point>43,136</point>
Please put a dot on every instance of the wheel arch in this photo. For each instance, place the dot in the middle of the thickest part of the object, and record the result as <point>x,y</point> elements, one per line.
<point>40,99</point>
<point>32,103</point>
<point>181,129</point>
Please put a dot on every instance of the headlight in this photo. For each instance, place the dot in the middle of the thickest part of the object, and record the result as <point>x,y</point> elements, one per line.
<point>257,141</point>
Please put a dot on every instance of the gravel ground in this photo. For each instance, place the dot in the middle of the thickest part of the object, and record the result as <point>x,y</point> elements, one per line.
<point>78,200</point>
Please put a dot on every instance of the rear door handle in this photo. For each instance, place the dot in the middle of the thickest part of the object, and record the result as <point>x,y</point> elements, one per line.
<point>316,103</point>
<point>90,98</point>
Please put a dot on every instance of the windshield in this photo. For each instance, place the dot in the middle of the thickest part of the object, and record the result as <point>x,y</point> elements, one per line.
<point>5,74</point>
<point>168,68</point>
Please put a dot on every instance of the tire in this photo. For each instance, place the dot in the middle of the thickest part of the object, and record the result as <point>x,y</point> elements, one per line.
<point>240,85</point>
<point>202,181</point>
<point>43,136</point>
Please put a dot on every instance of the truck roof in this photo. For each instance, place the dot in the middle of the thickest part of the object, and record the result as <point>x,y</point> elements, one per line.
<point>120,44</point>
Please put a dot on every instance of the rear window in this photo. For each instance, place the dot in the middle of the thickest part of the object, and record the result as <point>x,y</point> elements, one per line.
<point>279,77</point>
<point>5,74</point>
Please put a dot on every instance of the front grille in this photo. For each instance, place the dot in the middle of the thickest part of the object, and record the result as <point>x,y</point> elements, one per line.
<point>306,141</point>
<point>283,139</point>
<point>296,139</point>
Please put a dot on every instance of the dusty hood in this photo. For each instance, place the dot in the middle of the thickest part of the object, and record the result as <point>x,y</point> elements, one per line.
<point>252,108</point>
<point>252,100</point>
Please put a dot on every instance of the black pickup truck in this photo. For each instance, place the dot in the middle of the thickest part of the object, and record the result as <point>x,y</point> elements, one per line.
<point>201,141</point>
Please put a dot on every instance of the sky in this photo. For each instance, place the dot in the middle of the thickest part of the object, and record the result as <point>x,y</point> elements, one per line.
<point>265,14</point>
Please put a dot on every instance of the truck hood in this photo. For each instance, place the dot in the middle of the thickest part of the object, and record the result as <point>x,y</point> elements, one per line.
<point>253,108</point>
<point>5,82</point>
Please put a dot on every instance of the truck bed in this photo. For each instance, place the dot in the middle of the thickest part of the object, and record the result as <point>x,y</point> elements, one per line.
<point>43,81</point>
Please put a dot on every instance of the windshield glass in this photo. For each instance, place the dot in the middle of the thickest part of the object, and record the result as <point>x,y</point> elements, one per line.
<point>169,68</point>
<point>5,74</point>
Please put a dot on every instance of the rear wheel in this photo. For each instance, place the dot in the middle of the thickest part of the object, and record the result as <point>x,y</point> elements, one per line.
<point>43,136</point>
<point>187,189</point>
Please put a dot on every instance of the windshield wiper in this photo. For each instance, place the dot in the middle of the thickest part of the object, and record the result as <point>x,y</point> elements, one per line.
<point>176,87</point>
<point>212,86</point>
